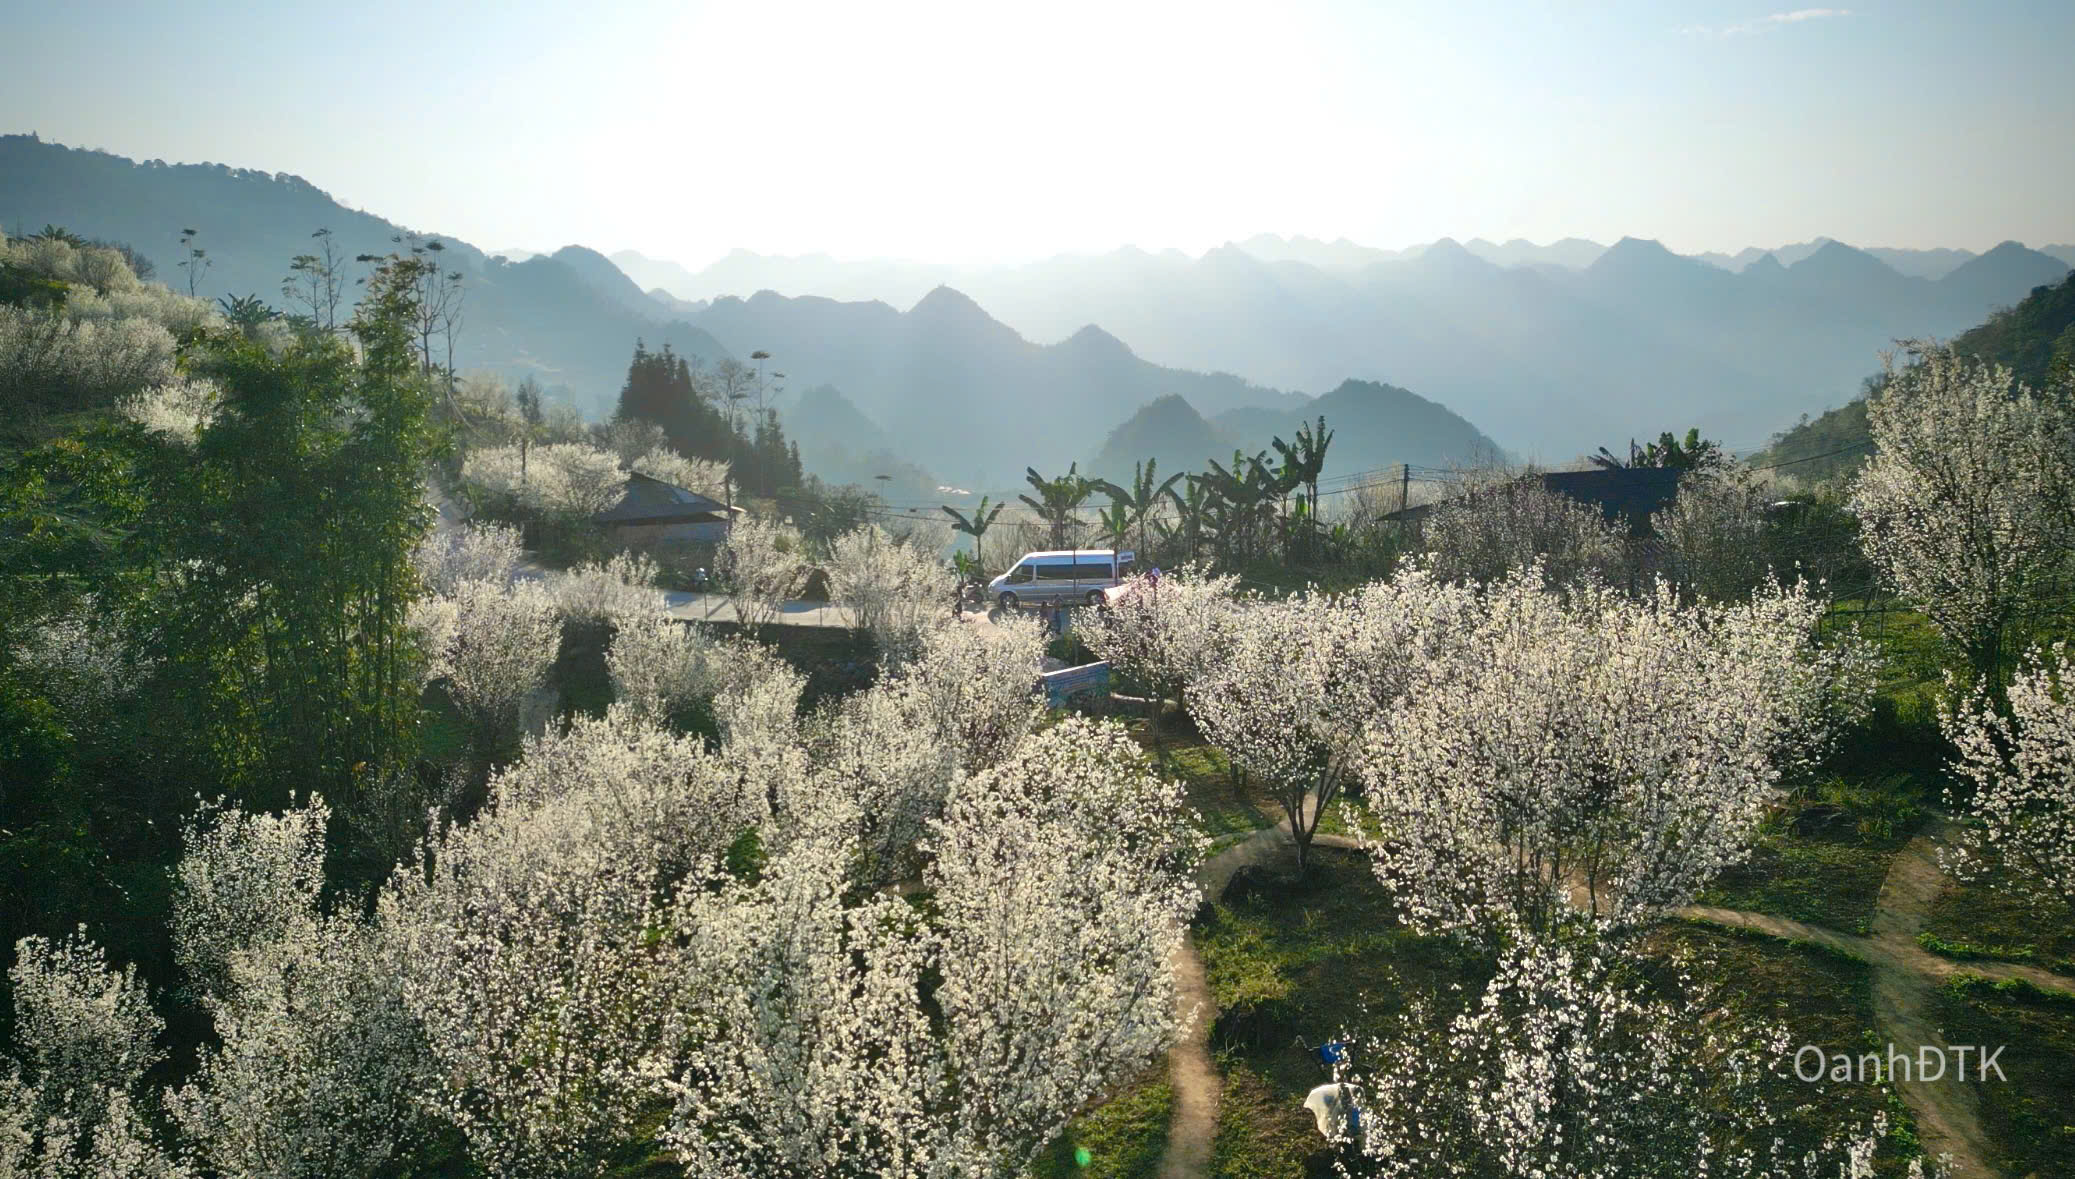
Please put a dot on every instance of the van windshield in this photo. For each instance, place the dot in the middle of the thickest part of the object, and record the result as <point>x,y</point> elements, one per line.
<point>1019,574</point>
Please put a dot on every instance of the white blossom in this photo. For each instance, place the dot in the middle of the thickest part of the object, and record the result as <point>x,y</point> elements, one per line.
<point>535,942</point>
<point>623,586</point>
<point>1966,504</point>
<point>177,409</point>
<point>494,648</point>
<point>473,552</point>
<point>2020,767</point>
<point>762,564</point>
<point>317,1069</point>
<point>1584,753</point>
<point>659,665</point>
<point>892,588</point>
<point>1566,1067</point>
<point>1511,524</point>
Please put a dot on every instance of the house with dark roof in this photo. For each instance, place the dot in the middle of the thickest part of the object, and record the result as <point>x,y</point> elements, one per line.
<point>650,511</point>
<point>1626,496</point>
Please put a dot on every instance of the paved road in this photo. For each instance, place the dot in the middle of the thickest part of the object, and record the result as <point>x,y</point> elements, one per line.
<point>716,608</point>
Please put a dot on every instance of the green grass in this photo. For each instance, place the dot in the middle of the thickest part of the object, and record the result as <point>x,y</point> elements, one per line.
<point>1970,921</point>
<point>1123,1137</point>
<point>1207,777</point>
<point>2030,1117</point>
<point>1262,1133</point>
<point>1302,963</point>
<point>1823,858</point>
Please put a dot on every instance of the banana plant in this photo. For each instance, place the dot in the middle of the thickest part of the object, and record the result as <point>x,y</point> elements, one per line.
<point>1058,499</point>
<point>1142,497</point>
<point>976,525</point>
<point>1302,464</point>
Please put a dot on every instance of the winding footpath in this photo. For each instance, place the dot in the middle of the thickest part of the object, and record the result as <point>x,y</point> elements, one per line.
<point>1906,978</point>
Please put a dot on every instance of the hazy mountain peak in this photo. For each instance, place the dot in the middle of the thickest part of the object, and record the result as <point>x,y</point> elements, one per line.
<point>2011,265</point>
<point>1093,339</point>
<point>1838,261</point>
<point>948,303</point>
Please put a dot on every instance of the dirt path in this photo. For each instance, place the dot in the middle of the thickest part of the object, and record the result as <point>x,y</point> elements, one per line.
<point>1906,978</point>
<point>1193,1126</point>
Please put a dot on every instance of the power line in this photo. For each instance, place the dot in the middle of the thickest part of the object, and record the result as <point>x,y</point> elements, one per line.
<point>1813,457</point>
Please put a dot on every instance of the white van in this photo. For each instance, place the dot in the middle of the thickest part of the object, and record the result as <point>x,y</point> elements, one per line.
<point>1069,576</point>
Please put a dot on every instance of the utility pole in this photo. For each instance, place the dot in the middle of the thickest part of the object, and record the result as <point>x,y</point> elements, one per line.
<point>1404,486</point>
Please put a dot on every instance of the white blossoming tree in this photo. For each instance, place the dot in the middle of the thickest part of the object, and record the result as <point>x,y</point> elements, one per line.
<point>84,1037</point>
<point>1167,633</point>
<point>1968,504</point>
<point>1566,1066</point>
<point>317,1068</point>
<point>2020,765</point>
<point>1513,523</point>
<point>1060,884</point>
<point>892,587</point>
<point>1301,678</point>
<point>762,564</point>
<point>1583,756</point>
<point>494,645</point>
<point>622,586</point>
<point>535,944</point>
<point>474,552</point>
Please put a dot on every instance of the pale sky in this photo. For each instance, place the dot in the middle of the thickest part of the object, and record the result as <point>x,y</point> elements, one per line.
<point>971,131</point>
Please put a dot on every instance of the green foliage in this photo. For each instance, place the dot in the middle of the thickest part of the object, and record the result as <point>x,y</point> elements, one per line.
<point>284,540</point>
<point>660,389</point>
<point>1057,500</point>
<point>21,288</point>
<point>1693,453</point>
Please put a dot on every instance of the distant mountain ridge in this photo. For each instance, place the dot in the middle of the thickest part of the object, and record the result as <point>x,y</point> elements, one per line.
<point>566,320</point>
<point>1557,349</point>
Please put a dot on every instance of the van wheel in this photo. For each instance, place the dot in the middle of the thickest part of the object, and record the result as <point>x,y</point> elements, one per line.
<point>1008,600</point>
<point>1095,597</point>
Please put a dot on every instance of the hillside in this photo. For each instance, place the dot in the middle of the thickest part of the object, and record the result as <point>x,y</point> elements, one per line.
<point>1167,430</point>
<point>959,392</point>
<point>840,444</point>
<point>557,318</point>
<point>2036,338</point>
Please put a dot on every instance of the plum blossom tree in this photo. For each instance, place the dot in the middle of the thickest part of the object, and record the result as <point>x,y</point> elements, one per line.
<point>2020,764</point>
<point>762,564</point>
<point>623,586</point>
<point>1060,884</point>
<point>1584,755</point>
<point>474,552</point>
<point>85,1036</point>
<point>1567,1066</point>
<point>892,588</point>
<point>536,941</point>
<point>1512,523</point>
<point>316,1069</point>
<point>1714,534</point>
<point>1166,632</point>
<point>658,666</point>
<point>493,644</point>
<point>1301,678</point>
<point>1968,504</point>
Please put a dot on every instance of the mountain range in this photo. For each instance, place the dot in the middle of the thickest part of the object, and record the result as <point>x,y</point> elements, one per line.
<point>1552,349</point>
<point>941,389</point>
<point>967,397</point>
<point>1558,349</point>
<point>545,316</point>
